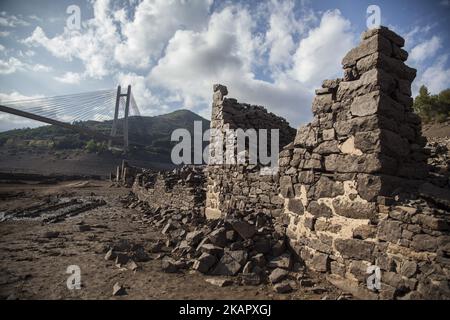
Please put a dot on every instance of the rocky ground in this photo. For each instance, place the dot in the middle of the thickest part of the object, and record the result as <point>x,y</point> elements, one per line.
<point>125,253</point>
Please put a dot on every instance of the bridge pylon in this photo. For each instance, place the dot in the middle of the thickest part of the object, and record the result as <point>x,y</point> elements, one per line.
<point>115,124</point>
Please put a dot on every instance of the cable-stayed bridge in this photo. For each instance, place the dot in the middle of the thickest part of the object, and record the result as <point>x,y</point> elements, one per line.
<point>71,111</point>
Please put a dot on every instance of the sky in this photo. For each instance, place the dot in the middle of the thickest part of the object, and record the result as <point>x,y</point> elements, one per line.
<point>273,53</point>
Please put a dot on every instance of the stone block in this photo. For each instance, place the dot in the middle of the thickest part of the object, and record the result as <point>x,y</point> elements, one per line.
<point>295,206</point>
<point>355,249</point>
<point>366,47</point>
<point>390,230</point>
<point>354,209</point>
<point>319,210</point>
<point>319,262</point>
<point>424,242</point>
<point>384,32</point>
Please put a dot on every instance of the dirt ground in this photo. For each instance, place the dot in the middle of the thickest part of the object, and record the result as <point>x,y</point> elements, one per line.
<point>33,265</point>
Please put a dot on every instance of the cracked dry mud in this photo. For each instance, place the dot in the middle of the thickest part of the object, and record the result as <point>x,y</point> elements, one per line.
<point>34,255</point>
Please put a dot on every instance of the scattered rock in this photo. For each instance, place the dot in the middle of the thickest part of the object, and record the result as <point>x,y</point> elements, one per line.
<point>131,265</point>
<point>121,259</point>
<point>284,261</point>
<point>82,228</point>
<point>219,282</point>
<point>204,262</point>
<point>283,287</point>
<point>250,279</point>
<point>277,275</point>
<point>231,263</point>
<point>110,255</point>
<point>169,265</point>
<point>211,249</point>
<point>118,290</point>
<point>194,237</point>
<point>218,237</point>
<point>244,229</point>
<point>51,234</point>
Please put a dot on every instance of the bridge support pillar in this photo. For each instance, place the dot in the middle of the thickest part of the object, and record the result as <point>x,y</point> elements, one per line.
<point>125,118</point>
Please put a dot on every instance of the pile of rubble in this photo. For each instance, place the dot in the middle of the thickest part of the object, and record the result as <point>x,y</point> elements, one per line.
<point>246,249</point>
<point>191,176</point>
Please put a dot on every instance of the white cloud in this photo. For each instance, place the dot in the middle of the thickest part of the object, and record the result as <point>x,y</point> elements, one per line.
<point>319,55</point>
<point>436,77</point>
<point>283,27</point>
<point>35,17</point>
<point>4,33</point>
<point>13,65</point>
<point>10,66</point>
<point>279,37</point>
<point>17,96</point>
<point>426,49</point>
<point>27,53</point>
<point>2,48</point>
<point>39,68</point>
<point>70,78</point>
<point>225,53</point>
<point>94,45</point>
<point>195,60</point>
<point>110,40</point>
<point>12,21</point>
<point>153,25</point>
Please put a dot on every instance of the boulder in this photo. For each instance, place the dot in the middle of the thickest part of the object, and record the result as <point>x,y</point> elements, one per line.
<point>211,249</point>
<point>219,282</point>
<point>194,237</point>
<point>169,265</point>
<point>230,263</point>
<point>118,290</point>
<point>250,279</point>
<point>218,237</point>
<point>121,259</point>
<point>283,287</point>
<point>244,229</point>
<point>284,261</point>
<point>204,262</point>
<point>277,275</point>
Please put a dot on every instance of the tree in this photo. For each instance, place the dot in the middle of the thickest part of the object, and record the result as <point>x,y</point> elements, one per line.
<point>432,107</point>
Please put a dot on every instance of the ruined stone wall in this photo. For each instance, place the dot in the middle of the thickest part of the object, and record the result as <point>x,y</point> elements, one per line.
<point>349,179</point>
<point>180,189</point>
<point>240,186</point>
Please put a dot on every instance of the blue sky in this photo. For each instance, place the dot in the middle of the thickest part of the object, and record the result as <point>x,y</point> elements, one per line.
<point>272,53</point>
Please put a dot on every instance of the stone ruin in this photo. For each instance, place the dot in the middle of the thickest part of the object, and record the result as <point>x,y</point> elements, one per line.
<point>345,175</point>
<point>124,174</point>
<point>240,186</point>
<point>181,188</point>
<point>353,188</point>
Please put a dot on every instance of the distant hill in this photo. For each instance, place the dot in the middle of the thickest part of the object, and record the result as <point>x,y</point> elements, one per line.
<point>154,132</point>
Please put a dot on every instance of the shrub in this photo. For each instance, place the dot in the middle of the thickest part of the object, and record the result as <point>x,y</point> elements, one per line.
<point>97,147</point>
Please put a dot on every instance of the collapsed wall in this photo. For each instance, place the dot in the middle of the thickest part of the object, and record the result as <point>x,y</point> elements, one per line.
<point>237,186</point>
<point>179,189</point>
<point>343,173</point>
